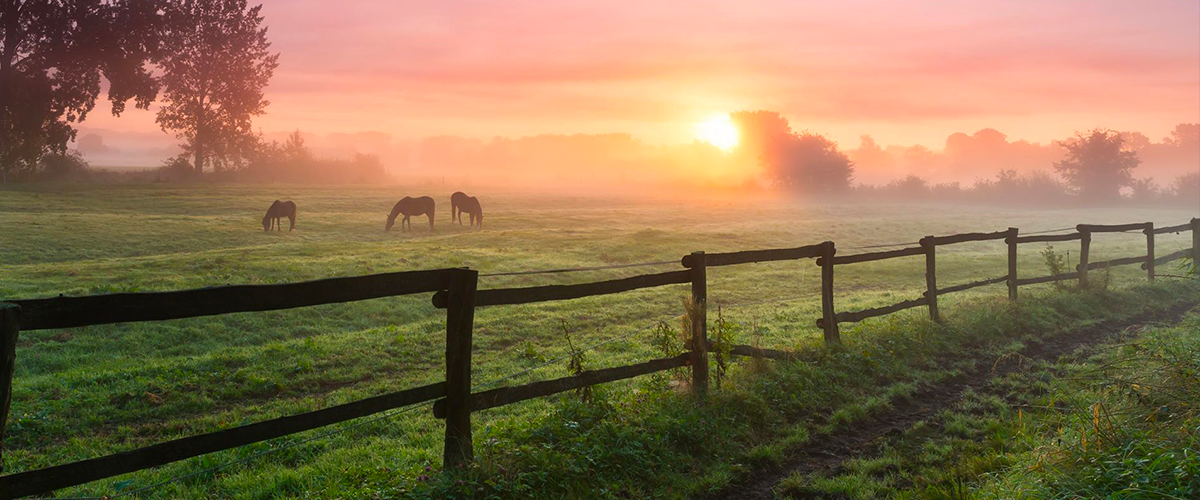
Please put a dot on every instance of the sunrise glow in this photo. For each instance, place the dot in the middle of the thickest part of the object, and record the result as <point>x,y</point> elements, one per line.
<point>718,131</point>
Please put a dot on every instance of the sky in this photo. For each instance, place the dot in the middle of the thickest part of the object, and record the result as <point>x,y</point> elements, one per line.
<point>903,72</point>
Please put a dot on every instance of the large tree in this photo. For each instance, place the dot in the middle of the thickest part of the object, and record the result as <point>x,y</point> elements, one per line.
<point>805,162</point>
<point>53,54</point>
<point>218,63</point>
<point>1097,164</point>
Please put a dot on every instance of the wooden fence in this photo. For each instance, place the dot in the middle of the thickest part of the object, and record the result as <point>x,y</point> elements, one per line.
<point>455,291</point>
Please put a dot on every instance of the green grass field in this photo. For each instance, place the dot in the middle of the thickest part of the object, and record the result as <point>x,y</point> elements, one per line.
<point>84,392</point>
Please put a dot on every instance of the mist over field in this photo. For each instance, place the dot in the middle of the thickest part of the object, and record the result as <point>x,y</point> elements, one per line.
<point>684,250</point>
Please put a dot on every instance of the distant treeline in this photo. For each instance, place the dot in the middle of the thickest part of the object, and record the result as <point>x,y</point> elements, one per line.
<point>270,162</point>
<point>1035,188</point>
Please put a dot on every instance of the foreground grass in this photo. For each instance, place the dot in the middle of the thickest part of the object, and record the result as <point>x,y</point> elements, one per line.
<point>651,442</point>
<point>87,391</point>
<point>1118,421</point>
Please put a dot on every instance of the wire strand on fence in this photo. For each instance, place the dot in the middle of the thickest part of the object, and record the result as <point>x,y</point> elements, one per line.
<point>578,269</point>
<point>764,301</point>
<point>1045,231</point>
<point>585,349</point>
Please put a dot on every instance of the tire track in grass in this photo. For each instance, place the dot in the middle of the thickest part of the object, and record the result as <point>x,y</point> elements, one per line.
<point>828,452</point>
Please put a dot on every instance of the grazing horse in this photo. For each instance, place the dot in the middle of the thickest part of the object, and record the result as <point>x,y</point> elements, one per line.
<point>471,207</point>
<point>456,201</point>
<point>278,210</point>
<point>410,207</point>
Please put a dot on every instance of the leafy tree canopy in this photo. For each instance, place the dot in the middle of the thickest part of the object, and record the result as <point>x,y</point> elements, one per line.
<point>53,54</point>
<point>218,63</point>
<point>1097,164</point>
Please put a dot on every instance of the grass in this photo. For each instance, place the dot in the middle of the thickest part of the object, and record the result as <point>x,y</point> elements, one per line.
<point>1118,421</point>
<point>83,392</point>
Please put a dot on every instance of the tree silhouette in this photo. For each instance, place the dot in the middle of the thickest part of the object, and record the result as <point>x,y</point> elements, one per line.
<point>217,64</point>
<point>1097,164</point>
<point>52,56</point>
<point>806,162</point>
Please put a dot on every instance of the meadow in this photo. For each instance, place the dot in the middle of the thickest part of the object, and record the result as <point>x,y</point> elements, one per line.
<point>84,392</point>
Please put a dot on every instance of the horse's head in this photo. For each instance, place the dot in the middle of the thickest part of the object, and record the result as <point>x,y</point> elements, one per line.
<point>391,221</point>
<point>267,222</point>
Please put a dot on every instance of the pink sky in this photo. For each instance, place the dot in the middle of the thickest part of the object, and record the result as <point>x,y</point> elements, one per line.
<point>903,72</point>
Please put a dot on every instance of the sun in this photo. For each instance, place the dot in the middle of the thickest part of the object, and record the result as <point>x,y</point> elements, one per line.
<point>718,131</point>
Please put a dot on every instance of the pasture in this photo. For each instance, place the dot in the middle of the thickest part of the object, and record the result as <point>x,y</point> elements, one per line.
<point>84,392</point>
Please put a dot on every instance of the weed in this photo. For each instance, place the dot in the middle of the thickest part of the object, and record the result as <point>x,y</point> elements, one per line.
<point>576,362</point>
<point>1055,264</point>
<point>724,335</point>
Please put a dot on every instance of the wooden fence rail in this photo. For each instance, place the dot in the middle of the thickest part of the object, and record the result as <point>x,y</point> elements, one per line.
<point>456,291</point>
<point>515,394</point>
<point>529,295</point>
<point>68,312</point>
<point>76,473</point>
<point>1047,238</point>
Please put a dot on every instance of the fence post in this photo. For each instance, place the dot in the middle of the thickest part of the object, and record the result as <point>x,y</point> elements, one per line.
<point>930,276</point>
<point>828,315</point>
<point>1196,244</point>
<point>460,318</point>
<point>699,325</point>
<point>9,328</point>
<point>1085,245</point>
<point>1011,239</point>
<point>1149,250</point>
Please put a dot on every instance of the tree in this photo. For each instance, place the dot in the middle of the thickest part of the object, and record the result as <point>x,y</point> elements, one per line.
<point>53,54</point>
<point>62,166</point>
<point>814,164</point>
<point>1097,164</point>
<point>807,162</point>
<point>218,63</point>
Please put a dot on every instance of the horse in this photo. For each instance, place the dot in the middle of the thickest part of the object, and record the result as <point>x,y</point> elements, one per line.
<point>278,210</point>
<point>456,200</point>
<point>471,207</point>
<point>409,207</point>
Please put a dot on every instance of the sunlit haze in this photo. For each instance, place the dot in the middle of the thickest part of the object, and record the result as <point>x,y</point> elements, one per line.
<point>372,76</point>
<point>718,131</point>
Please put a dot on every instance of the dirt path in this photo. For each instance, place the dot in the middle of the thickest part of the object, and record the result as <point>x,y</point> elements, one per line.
<point>827,452</point>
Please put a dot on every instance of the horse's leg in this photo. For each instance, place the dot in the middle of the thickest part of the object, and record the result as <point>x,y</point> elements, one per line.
<point>431,221</point>
<point>292,219</point>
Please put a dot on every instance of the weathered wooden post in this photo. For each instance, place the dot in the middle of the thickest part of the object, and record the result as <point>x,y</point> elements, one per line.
<point>1196,244</point>
<point>828,314</point>
<point>9,328</point>
<point>930,276</point>
<point>1149,250</point>
<point>1085,245</point>
<point>460,318</point>
<point>699,324</point>
<point>1011,239</point>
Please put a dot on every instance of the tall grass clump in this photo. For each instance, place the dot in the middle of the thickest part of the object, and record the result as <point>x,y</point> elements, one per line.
<point>1125,424</point>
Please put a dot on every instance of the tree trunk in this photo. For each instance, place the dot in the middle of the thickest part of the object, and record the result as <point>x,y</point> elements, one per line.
<point>199,150</point>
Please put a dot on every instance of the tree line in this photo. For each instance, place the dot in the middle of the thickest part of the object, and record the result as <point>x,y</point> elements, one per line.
<point>206,62</point>
<point>1097,166</point>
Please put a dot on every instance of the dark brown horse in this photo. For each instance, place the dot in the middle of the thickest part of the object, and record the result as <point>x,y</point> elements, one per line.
<point>410,207</point>
<point>278,210</point>
<point>470,206</point>
<point>456,200</point>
